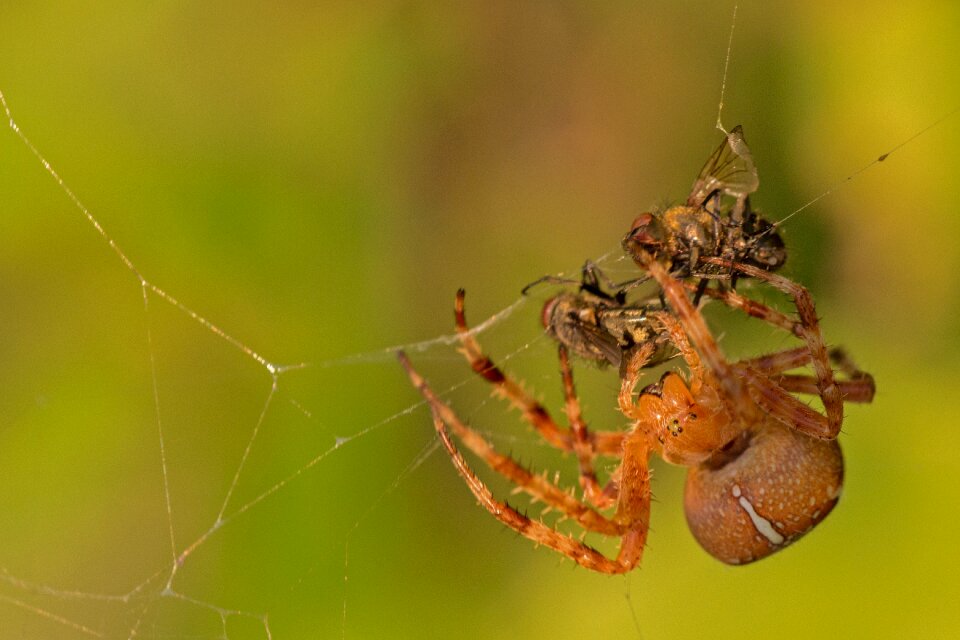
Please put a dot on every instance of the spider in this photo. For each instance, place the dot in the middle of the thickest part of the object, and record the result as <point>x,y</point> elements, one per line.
<point>764,468</point>
<point>681,235</point>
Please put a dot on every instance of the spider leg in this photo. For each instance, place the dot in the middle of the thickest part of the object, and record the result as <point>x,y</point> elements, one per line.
<point>773,363</point>
<point>718,371</point>
<point>859,388</point>
<point>535,530</point>
<point>807,330</point>
<point>605,442</point>
<point>859,391</point>
<point>633,529</point>
<point>790,358</point>
<point>777,401</point>
<point>536,485</point>
<point>582,444</point>
<point>631,376</point>
<point>755,309</point>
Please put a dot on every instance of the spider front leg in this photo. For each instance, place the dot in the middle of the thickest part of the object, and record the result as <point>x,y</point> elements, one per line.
<point>716,372</point>
<point>535,485</point>
<point>775,397</point>
<point>808,330</point>
<point>582,444</point>
<point>859,387</point>
<point>630,521</point>
<point>603,442</point>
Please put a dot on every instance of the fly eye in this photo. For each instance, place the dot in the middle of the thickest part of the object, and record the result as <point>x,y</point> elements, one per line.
<point>641,221</point>
<point>546,314</point>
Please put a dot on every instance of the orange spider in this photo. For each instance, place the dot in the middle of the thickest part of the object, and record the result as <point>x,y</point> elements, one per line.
<point>764,467</point>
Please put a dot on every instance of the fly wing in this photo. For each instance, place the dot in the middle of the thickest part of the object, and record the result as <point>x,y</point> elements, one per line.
<point>601,342</point>
<point>729,170</point>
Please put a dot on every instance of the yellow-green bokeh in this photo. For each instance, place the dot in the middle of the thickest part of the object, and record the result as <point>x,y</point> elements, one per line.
<point>317,181</point>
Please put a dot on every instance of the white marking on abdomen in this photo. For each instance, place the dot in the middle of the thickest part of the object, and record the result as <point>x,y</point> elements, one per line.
<point>761,524</point>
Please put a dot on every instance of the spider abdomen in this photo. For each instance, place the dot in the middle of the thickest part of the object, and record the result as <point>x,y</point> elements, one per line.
<point>763,492</point>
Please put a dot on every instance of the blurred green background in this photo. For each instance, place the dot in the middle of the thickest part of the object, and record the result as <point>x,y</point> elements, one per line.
<point>317,181</point>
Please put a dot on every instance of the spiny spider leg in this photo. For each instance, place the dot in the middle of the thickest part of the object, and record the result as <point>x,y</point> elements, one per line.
<point>604,442</point>
<point>718,373</point>
<point>631,525</point>
<point>858,391</point>
<point>783,406</point>
<point>536,485</point>
<point>774,395</point>
<point>773,363</point>
<point>859,388</point>
<point>755,309</point>
<point>809,331</point>
<point>582,444</point>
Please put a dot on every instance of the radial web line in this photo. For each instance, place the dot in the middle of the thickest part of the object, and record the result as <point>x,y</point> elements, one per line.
<point>163,447</point>
<point>726,67</point>
<point>246,452</point>
<point>144,282</point>
<point>51,616</point>
<point>877,160</point>
<point>165,588</point>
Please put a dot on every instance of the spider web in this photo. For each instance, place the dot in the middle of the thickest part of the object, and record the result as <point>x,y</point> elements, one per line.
<point>143,595</point>
<point>245,491</point>
<point>236,482</point>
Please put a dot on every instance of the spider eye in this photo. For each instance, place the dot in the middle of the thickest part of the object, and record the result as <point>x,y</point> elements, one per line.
<point>674,427</point>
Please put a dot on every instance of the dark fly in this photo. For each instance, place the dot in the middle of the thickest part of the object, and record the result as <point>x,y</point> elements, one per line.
<point>715,222</point>
<point>599,325</point>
